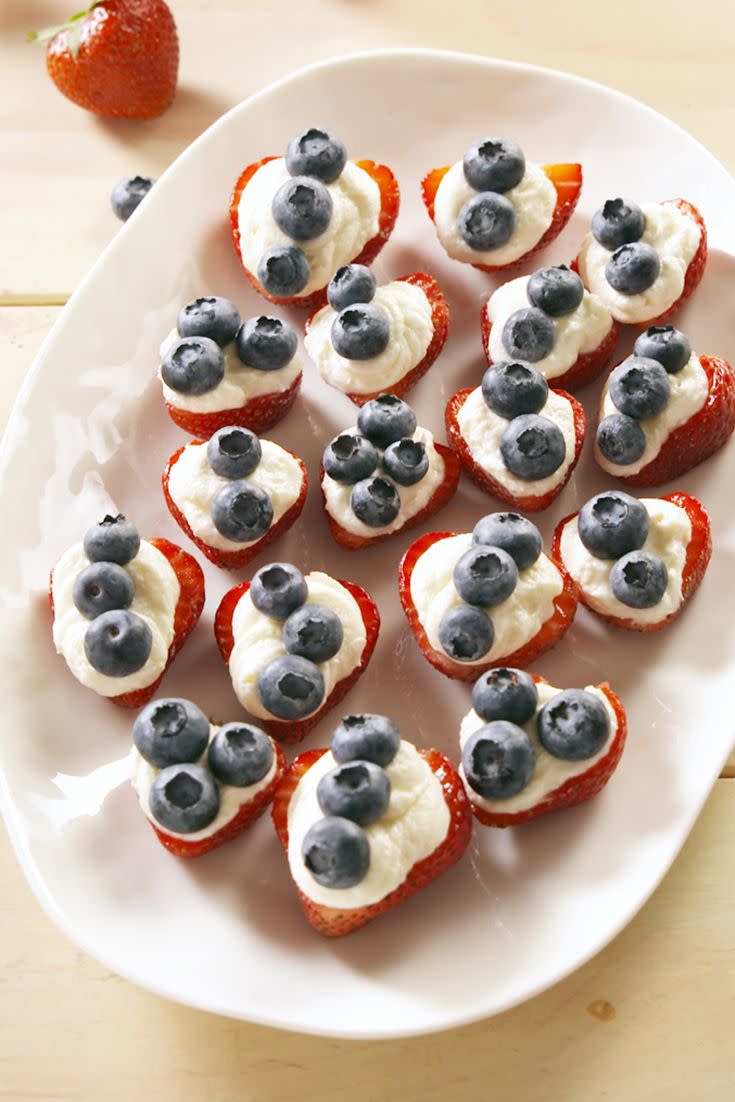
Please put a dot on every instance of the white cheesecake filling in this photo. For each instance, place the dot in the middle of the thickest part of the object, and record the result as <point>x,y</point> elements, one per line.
<point>668,537</point>
<point>415,823</point>
<point>411,332</point>
<point>155,600</point>
<point>483,431</point>
<point>238,385</point>
<point>516,620</point>
<point>689,391</point>
<point>534,200</point>
<point>575,334</point>
<point>231,797</point>
<point>193,485</point>
<point>549,772</point>
<point>355,213</point>
<point>675,236</point>
<point>258,640</point>
<point>413,498</point>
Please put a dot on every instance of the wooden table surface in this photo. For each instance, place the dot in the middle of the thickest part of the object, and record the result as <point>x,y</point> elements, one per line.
<point>649,1018</point>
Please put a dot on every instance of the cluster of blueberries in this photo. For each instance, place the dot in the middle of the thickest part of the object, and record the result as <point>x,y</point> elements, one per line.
<point>640,388</point>
<point>634,266</point>
<point>173,735</point>
<point>499,758</point>
<point>336,849</point>
<point>529,334</point>
<point>361,329</point>
<point>117,641</point>
<point>485,576</point>
<point>532,447</point>
<point>491,166</point>
<point>241,511</point>
<point>385,440</point>
<point>614,526</point>
<point>195,364</point>
<point>292,686</point>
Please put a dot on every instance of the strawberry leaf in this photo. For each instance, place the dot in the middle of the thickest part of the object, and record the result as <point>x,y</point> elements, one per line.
<point>73,26</point>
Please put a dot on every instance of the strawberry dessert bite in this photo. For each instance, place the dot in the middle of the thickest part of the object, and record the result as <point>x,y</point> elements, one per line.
<point>636,562</point>
<point>200,785</point>
<point>123,607</point>
<point>385,475</point>
<point>368,822</point>
<point>494,209</point>
<point>294,645</point>
<point>517,439</point>
<point>370,339</point>
<point>643,262</point>
<point>487,598</point>
<point>296,219</point>
<point>234,494</point>
<point>216,371</point>
<point>664,410</point>
<point>549,320</point>
<point>528,748</point>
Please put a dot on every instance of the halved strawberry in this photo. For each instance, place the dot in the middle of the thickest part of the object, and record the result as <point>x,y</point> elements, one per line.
<point>565,606</point>
<point>699,552</point>
<point>390,199</point>
<point>566,178</point>
<point>235,560</point>
<point>529,502</point>
<point>334,921</point>
<point>285,730</point>
<point>257,414</point>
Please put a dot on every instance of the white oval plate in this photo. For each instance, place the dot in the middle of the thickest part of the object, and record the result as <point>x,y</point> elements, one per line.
<point>526,906</point>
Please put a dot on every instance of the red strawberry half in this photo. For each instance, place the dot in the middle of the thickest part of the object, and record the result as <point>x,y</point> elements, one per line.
<point>257,414</point>
<point>334,921</point>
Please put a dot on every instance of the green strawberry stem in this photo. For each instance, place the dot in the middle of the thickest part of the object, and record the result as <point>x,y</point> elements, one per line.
<point>73,27</point>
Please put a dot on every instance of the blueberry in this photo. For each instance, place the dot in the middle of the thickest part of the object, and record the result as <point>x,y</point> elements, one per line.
<point>350,458</point>
<point>240,754</point>
<point>486,221</point>
<point>283,271</point>
<point>367,737</point>
<point>316,152</point>
<point>667,345</point>
<point>102,586</point>
<point>494,164</point>
<point>573,725</point>
<point>242,512</point>
<point>278,589</point>
<point>498,760</point>
<point>406,461</point>
<point>513,533</point>
<point>505,694</point>
<point>195,365</point>
<point>612,523</point>
<point>385,419</point>
<point>528,335</point>
<point>170,731</point>
<point>184,798</point>
<point>621,439</point>
<point>291,687</point>
<point>128,194</point>
<point>375,501</point>
<point>632,269</point>
<point>357,790</point>
<point>639,579</point>
<point>233,452</point>
<point>510,389</point>
<point>336,852</point>
<point>350,284</point>
<point>532,447</point>
<point>639,388</point>
<point>213,317</point>
<point>302,208</point>
<point>118,643</point>
<point>556,291</point>
<point>361,332</point>
<point>485,575</point>
<point>266,343</point>
<point>314,632</point>
<point>466,633</point>
<point>618,222</point>
<point>114,539</point>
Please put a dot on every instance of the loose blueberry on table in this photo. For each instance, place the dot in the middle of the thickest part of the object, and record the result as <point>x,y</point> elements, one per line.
<point>128,194</point>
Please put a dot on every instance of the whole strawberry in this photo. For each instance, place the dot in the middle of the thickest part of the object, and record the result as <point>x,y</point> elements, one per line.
<point>119,58</point>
